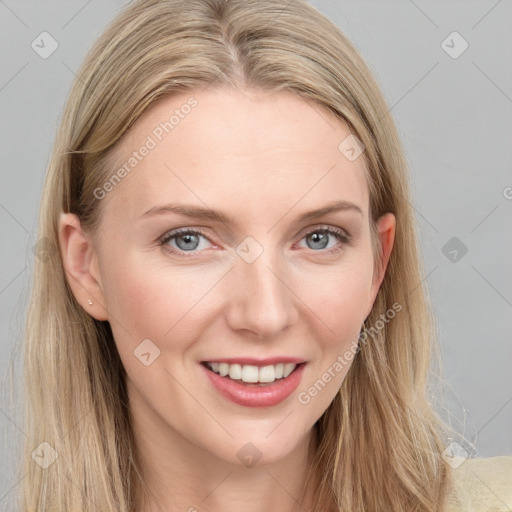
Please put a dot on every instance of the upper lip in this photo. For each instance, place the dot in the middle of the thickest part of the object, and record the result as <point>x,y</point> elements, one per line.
<point>256,362</point>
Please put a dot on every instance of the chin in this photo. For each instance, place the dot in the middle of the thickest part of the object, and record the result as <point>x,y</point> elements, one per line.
<point>263,446</point>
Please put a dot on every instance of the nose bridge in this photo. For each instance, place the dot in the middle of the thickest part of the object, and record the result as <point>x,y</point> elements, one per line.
<point>263,302</point>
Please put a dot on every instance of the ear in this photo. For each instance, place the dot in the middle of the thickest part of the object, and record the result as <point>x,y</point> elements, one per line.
<point>386,226</point>
<point>81,266</point>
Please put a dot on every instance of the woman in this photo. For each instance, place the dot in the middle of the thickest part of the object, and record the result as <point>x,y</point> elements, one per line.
<point>229,313</point>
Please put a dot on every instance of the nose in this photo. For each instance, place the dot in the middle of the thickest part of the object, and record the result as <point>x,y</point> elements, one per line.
<point>261,298</point>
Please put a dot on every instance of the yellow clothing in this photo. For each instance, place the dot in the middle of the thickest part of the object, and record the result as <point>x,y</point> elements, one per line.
<point>482,485</point>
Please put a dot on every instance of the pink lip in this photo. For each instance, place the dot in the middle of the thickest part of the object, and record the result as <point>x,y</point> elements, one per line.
<point>257,362</point>
<point>253,395</point>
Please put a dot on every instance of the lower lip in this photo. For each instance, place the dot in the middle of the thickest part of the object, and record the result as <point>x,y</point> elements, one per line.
<point>253,395</point>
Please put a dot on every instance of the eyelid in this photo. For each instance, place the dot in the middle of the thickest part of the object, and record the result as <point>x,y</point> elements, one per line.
<point>328,228</point>
<point>181,231</point>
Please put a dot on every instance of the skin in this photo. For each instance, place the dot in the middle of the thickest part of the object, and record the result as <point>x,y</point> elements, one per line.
<point>262,159</point>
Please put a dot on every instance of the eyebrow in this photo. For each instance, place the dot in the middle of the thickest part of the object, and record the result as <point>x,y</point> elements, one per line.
<point>197,212</point>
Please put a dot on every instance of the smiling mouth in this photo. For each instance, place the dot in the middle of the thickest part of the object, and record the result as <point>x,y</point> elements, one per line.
<point>251,374</point>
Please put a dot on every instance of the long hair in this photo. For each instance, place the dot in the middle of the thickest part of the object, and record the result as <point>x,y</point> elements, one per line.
<point>380,441</point>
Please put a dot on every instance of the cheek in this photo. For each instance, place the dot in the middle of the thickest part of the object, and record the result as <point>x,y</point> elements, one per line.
<point>339,297</point>
<point>155,301</point>
<point>339,305</point>
<point>135,297</point>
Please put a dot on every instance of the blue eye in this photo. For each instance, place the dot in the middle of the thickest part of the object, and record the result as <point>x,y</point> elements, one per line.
<point>320,238</point>
<point>188,240</point>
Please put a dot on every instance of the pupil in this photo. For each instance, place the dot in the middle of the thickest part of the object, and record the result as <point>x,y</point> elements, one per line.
<point>188,239</point>
<point>319,236</point>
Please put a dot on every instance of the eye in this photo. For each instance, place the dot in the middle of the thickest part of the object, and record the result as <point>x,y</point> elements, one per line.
<point>319,239</point>
<point>189,240</point>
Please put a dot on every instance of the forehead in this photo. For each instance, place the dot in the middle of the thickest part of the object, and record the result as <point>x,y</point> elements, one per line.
<point>254,151</point>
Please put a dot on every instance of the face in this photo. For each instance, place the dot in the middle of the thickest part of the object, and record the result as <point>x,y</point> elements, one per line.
<point>262,286</point>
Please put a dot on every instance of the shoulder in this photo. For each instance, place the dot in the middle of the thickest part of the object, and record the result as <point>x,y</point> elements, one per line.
<point>482,485</point>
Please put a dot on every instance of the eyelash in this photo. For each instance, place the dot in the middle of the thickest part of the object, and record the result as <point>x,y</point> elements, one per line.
<point>342,236</point>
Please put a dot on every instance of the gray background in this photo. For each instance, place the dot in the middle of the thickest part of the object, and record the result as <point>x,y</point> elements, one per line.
<point>454,117</point>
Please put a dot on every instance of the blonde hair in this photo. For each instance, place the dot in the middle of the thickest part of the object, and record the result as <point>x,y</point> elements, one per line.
<point>379,441</point>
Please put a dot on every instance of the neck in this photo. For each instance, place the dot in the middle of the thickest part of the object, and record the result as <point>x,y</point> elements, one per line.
<point>179,477</point>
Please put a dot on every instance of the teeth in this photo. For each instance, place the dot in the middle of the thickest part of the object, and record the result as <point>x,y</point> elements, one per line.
<point>253,374</point>
<point>249,373</point>
<point>267,374</point>
<point>235,371</point>
<point>288,368</point>
<point>223,369</point>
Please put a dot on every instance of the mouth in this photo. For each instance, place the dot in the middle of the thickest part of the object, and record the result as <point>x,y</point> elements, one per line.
<point>255,383</point>
<point>253,375</point>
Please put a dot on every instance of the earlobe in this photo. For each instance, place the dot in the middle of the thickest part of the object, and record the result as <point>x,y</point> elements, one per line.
<point>80,265</point>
